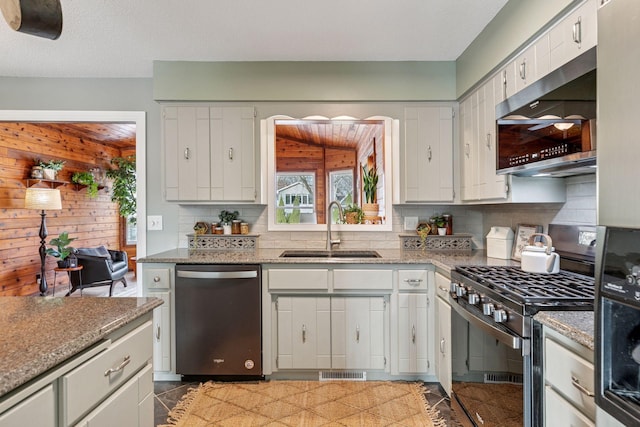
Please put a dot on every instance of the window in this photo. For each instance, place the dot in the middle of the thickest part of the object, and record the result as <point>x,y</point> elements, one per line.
<point>295,198</point>
<point>341,189</point>
<point>131,232</point>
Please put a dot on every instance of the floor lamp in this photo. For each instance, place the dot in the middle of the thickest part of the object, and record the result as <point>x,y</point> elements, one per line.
<point>43,199</point>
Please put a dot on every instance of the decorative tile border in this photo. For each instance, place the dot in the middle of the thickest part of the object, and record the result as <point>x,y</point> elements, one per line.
<point>235,242</point>
<point>456,242</point>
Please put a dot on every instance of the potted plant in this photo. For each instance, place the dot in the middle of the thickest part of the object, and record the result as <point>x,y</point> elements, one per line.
<point>86,178</point>
<point>51,168</point>
<point>226,217</point>
<point>62,250</point>
<point>124,186</point>
<point>440,223</point>
<point>353,214</point>
<point>370,188</point>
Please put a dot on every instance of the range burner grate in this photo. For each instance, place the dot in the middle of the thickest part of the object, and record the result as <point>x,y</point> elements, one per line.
<point>533,287</point>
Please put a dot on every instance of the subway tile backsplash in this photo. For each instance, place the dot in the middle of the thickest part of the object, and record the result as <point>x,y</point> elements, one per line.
<point>580,208</point>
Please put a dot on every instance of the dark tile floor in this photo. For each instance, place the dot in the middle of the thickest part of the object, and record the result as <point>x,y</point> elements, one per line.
<point>168,393</point>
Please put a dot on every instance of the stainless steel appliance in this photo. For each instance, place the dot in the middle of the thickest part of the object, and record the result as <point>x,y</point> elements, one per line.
<point>548,128</point>
<point>498,380</point>
<point>219,320</point>
<point>617,356</point>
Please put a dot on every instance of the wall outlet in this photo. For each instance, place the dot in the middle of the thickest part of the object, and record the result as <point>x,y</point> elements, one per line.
<point>410,222</point>
<point>154,222</point>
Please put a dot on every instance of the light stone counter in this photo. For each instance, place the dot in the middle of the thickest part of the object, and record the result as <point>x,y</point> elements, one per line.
<point>39,333</point>
<point>575,325</point>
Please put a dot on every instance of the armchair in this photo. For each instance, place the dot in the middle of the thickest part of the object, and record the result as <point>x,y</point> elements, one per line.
<point>101,267</point>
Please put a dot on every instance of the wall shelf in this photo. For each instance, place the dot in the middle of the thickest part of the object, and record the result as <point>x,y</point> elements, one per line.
<point>48,182</point>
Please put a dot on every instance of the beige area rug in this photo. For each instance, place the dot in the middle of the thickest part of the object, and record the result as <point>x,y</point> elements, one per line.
<point>305,404</point>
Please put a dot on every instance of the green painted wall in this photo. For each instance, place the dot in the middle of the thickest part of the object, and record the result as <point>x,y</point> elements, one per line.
<point>304,81</point>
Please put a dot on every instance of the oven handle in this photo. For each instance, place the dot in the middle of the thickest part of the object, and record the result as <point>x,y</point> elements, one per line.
<point>513,341</point>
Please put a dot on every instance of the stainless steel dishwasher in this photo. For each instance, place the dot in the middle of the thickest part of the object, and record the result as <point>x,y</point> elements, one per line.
<point>218,320</point>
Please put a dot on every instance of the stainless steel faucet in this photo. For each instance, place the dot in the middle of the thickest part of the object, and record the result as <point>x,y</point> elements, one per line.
<point>331,242</point>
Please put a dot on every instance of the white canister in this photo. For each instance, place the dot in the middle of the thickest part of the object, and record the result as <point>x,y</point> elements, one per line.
<point>500,242</point>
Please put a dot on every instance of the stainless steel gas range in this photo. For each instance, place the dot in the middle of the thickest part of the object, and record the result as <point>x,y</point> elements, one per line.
<point>497,347</point>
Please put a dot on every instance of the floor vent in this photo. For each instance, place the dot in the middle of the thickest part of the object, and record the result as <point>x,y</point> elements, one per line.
<point>503,378</point>
<point>342,376</point>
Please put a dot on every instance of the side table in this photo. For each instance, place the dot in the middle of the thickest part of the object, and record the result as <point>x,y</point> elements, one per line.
<point>68,270</point>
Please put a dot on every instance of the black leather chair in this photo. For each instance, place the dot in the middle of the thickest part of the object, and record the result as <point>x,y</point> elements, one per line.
<point>100,267</point>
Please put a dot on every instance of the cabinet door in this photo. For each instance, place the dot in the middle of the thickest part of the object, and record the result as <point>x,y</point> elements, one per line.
<point>468,155</point>
<point>491,185</point>
<point>525,68</point>
<point>162,332</point>
<point>186,152</point>
<point>575,34</point>
<point>412,333</point>
<point>304,333</point>
<point>428,155</point>
<point>38,410</point>
<point>233,174</point>
<point>509,78</point>
<point>443,360</point>
<point>357,332</point>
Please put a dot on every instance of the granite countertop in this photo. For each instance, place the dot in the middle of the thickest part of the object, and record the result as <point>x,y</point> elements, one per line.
<point>39,333</point>
<point>576,325</point>
<point>445,260</point>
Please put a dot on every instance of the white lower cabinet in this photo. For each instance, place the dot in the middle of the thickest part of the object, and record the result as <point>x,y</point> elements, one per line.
<point>37,410</point>
<point>569,382</point>
<point>413,349</point>
<point>357,332</point>
<point>304,332</point>
<point>443,334</point>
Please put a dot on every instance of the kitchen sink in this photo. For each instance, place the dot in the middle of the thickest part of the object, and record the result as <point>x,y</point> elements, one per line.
<point>305,253</point>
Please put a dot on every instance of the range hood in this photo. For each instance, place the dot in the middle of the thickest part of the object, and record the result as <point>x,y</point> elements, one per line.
<point>564,97</point>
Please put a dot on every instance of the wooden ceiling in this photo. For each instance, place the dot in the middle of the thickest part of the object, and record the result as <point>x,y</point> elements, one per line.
<point>329,133</point>
<point>119,135</point>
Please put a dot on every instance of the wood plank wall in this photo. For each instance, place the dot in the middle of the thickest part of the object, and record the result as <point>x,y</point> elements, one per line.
<point>93,222</point>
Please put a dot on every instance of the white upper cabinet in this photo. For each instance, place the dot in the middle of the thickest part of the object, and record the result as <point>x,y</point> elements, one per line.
<point>468,151</point>
<point>209,153</point>
<point>428,154</point>
<point>575,34</point>
<point>525,68</point>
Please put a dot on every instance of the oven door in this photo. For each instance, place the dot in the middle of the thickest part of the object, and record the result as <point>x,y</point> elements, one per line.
<point>491,371</point>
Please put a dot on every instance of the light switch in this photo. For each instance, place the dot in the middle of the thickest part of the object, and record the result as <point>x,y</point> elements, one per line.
<point>154,222</point>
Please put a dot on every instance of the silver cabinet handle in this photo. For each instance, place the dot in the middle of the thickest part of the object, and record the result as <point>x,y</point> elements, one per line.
<point>429,153</point>
<point>357,333</point>
<point>577,31</point>
<point>187,153</point>
<point>156,279</point>
<point>576,383</point>
<point>304,333</point>
<point>523,69</point>
<point>489,141</point>
<point>443,289</point>
<point>158,333</point>
<point>467,149</point>
<point>442,345</point>
<point>231,153</point>
<point>413,282</point>
<point>119,368</point>
<point>413,334</point>
<point>504,84</point>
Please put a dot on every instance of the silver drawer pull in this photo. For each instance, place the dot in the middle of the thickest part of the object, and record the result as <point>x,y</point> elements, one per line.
<point>304,333</point>
<point>413,334</point>
<point>442,346</point>
<point>413,282</point>
<point>576,383</point>
<point>158,333</point>
<point>443,289</point>
<point>119,368</point>
<point>357,333</point>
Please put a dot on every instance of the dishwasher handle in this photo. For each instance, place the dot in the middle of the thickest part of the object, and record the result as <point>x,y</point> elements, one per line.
<point>217,274</point>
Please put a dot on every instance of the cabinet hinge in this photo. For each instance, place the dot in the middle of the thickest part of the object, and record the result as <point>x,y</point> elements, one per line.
<point>506,189</point>
<point>384,304</point>
<point>428,364</point>
<point>276,303</point>
<point>277,362</point>
<point>385,361</point>
<point>453,113</point>
<point>428,302</point>
<point>255,112</point>
<point>454,193</point>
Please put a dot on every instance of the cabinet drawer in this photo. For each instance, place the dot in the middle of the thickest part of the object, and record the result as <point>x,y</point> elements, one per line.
<point>89,383</point>
<point>298,279</point>
<point>558,412</point>
<point>567,372</point>
<point>412,280</point>
<point>362,279</point>
<point>36,410</point>
<point>157,278</point>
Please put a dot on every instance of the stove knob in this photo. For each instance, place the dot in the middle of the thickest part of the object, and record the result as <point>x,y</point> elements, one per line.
<point>453,287</point>
<point>488,308</point>
<point>500,316</point>
<point>473,299</point>
<point>461,291</point>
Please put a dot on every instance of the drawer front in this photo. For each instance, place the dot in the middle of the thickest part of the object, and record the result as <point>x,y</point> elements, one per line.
<point>36,410</point>
<point>157,278</point>
<point>559,413</point>
<point>89,383</point>
<point>442,286</point>
<point>413,280</point>
<point>298,279</point>
<point>571,375</point>
<point>363,279</point>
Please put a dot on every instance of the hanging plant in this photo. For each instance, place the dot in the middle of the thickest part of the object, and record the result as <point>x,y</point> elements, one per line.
<point>124,186</point>
<point>86,178</point>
